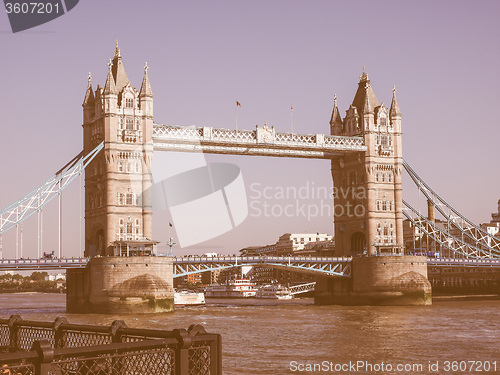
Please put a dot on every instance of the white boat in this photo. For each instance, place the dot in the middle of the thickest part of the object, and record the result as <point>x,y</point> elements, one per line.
<point>241,288</point>
<point>274,291</point>
<point>185,298</point>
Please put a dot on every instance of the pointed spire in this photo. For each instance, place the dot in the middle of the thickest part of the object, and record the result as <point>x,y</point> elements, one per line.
<point>119,73</point>
<point>365,99</point>
<point>146,86</point>
<point>89,95</point>
<point>367,103</point>
<point>117,51</point>
<point>364,75</point>
<point>110,86</point>
<point>394,111</point>
<point>336,118</point>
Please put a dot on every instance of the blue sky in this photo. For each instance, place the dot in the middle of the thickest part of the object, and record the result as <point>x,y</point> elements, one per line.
<point>203,56</point>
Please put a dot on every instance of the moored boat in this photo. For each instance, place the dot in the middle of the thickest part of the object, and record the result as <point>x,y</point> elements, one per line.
<point>187,298</point>
<point>240,288</point>
<point>274,291</point>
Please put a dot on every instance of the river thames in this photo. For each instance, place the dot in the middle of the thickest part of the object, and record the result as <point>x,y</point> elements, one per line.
<point>285,337</point>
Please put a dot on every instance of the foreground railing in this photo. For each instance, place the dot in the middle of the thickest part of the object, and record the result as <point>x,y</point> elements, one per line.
<point>57,348</point>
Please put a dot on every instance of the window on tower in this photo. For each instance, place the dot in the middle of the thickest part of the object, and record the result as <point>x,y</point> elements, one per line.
<point>130,124</point>
<point>129,103</point>
<point>384,140</point>
<point>129,199</point>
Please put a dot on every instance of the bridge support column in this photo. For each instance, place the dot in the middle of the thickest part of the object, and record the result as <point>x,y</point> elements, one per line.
<point>121,284</point>
<point>382,280</point>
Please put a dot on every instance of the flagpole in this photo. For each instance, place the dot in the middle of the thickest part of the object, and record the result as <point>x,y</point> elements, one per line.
<point>236,111</point>
<point>291,116</point>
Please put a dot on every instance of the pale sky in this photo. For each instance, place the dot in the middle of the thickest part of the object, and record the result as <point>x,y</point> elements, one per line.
<point>204,55</point>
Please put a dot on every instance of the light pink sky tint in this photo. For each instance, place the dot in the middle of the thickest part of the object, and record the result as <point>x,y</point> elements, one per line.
<point>204,55</point>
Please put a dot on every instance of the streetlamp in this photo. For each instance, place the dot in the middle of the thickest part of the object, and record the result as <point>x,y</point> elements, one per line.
<point>171,243</point>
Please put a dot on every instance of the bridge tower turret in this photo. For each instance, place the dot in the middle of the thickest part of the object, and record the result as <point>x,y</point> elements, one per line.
<point>368,210</point>
<point>367,186</point>
<point>118,210</point>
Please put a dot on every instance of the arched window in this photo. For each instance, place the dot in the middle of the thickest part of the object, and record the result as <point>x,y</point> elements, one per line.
<point>130,124</point>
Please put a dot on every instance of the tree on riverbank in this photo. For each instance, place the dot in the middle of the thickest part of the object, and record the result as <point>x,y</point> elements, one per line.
<point>36,282</point>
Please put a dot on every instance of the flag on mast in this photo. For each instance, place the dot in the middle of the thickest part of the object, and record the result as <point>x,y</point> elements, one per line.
<point>291,117</point>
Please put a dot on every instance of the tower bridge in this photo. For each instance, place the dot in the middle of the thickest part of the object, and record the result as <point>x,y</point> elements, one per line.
<point>365,149</point>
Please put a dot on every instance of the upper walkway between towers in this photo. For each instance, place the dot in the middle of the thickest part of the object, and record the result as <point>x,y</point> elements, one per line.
<point>263,141</point>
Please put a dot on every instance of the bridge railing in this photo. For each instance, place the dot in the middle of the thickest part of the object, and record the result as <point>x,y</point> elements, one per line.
<point>32,202</point>
<point>463,262</point>
<point>43,348</point>
<point>259,259</point>
<point>329,266</point>
<point>44,261</point>
<point>470,232</point>
<point>264,135</point>
<point>444,238</point>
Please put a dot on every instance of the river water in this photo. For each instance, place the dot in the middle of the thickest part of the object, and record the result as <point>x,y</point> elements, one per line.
<point>291,337</point>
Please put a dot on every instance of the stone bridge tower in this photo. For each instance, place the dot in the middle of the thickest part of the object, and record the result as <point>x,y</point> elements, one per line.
<point>118,230</point>
<point>118,209</point>
<point>368,211</point>
<point>367,186</point>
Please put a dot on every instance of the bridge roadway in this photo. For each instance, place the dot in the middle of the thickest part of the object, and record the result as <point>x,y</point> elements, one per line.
<point>328,266</point>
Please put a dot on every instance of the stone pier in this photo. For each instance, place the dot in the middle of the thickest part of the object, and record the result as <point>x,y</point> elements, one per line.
<point>379,280</point>
<point>141,284</point>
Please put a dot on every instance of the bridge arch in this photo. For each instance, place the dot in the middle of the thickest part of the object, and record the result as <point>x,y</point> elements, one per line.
<point>358,243</point>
